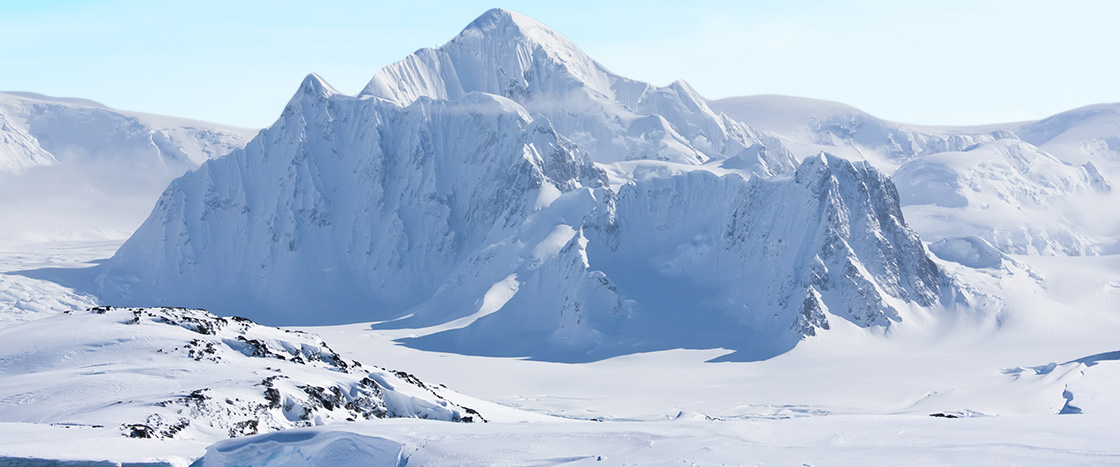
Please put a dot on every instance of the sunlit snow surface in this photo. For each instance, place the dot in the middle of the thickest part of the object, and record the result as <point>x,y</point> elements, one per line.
<point>846,397</point>
<point>695,282</point>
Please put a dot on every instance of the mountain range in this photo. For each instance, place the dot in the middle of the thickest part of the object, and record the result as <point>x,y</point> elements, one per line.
<point>509,188</point>
<point>517,198</point>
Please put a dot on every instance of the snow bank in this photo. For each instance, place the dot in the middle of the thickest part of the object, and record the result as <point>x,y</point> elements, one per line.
<point>303,448</point>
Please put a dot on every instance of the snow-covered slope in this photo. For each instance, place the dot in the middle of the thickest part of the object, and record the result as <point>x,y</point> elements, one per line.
<point>1009,192</point>
<point>187,374</point>
<point>43,130</point>
<point>1087,134</point>
<point>808,126</point>
<point>71,168</point>
<point>444,197</point>
<point>1017,185</point>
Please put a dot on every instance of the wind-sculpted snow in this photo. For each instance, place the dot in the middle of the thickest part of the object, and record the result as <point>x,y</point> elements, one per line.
<point>611,117</point>
<point>305,449</point>
<point>180,373</point>
<point>605,242</point>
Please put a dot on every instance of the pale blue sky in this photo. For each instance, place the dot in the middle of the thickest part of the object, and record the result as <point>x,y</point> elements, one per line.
<point>238,62</point>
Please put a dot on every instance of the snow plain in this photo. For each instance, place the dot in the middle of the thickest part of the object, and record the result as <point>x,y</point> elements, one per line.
<point>1027,373</point>
<point>846,397</point>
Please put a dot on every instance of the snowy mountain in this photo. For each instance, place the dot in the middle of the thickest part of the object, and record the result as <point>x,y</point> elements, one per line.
<point>1008,192</point>
<point>496,187</point>
<point>382,202</point>
<point>1087,137</point>
<point>187,374</point>
<point>1011,184</point>
<point>1087,134</point>
<point>52,148</point>
<point>43,130</point>
<point>808,126</point>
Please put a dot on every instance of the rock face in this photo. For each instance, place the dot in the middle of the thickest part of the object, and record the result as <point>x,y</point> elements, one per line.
<point>175,373</point>
<point>511,191</point>
<point>777,254</point>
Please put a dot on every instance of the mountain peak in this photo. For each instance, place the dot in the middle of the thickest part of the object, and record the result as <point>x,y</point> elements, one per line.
<point>313,90</point>
<point>819,166</point>
<point>315,84</point>
<point>509,27</point>
<point>501,52</point>
<point>499,18</point>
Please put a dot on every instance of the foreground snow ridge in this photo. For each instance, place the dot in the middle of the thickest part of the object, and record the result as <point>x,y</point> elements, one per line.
<point>306,449</point>
<point>182,373</point>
